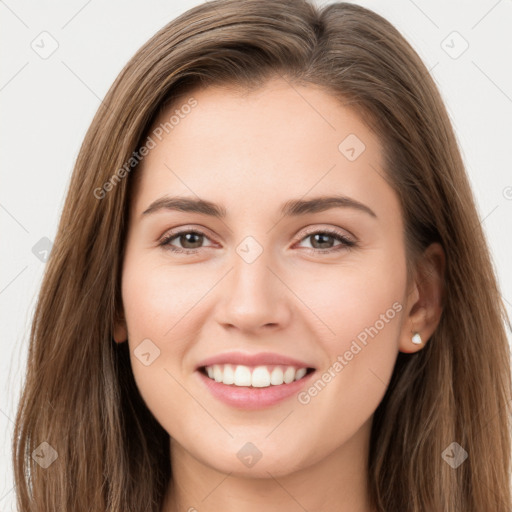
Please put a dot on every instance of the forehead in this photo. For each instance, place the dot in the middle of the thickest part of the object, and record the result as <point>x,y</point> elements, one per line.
<point>279,113</point>
<point>278,141</point>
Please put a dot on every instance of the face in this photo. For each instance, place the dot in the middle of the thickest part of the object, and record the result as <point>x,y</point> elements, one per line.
<point>294,282</point>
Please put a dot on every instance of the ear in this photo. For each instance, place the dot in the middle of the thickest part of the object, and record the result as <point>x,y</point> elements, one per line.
<point>120,328</point>
<point>423,305</point>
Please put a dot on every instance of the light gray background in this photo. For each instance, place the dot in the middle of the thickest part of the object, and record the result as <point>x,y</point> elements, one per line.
<point>48,103</point>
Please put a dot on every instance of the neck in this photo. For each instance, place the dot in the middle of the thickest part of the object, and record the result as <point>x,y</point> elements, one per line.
<point>336,483</point>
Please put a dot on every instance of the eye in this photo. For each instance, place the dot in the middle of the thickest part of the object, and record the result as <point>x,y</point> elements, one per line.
<point>322,241</point>
<point>190,239</point>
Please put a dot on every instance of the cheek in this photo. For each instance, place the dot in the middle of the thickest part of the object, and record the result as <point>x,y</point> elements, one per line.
<point>355,300</point>
<point>363,310</point>
<point>155,298</point>
<point>156,303</point>
<point>366,307</point>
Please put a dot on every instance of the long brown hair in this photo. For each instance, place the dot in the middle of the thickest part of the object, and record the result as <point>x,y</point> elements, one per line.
<point>80,396</point>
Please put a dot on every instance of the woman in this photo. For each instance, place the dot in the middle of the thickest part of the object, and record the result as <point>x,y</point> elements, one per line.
<point>270,287</point>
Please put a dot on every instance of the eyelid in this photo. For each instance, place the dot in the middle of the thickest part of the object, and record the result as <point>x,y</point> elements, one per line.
<point>346,241</point>
<point>186,228</point>
<point>332,230</point>
<point>176,232</point>
<point>308,231</point>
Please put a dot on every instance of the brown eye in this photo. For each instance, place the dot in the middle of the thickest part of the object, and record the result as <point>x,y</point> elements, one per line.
<point>323,241</point>
<point>189,241</point>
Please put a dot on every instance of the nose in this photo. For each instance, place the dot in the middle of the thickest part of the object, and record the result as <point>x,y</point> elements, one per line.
<point>253,296</point>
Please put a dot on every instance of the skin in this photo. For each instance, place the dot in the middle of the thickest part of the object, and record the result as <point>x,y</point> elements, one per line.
<point>251,152</point>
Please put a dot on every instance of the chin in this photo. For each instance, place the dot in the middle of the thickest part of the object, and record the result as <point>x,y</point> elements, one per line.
<point>269,463</point>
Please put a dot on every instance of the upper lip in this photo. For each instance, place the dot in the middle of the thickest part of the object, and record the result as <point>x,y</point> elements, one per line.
<point>259,359</point>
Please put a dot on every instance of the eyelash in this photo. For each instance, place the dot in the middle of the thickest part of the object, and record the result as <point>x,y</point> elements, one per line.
<point>346,243</point>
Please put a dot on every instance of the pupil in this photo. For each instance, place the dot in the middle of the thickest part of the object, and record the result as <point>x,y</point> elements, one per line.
<point>186,238</point>
<point>322,237</point>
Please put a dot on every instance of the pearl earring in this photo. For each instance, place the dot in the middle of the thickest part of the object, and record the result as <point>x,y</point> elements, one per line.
<point>416,339</point>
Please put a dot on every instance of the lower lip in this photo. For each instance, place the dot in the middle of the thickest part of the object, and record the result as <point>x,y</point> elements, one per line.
<point>245,397</point>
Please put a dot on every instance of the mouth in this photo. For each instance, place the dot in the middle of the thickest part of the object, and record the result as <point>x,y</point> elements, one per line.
<point>258,387</point>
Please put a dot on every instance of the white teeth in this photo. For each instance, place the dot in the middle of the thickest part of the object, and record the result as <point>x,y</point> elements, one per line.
<point>289,375</point>
<point>229,375</point>
<point>257,377</point>
<point>242,376</point>
<point>300,373</point>
<point>276,378</point>
<point>260,377</point>
<point>217,373</point>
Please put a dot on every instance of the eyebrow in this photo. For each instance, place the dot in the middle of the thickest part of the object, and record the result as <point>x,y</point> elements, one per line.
<point>291,208</point>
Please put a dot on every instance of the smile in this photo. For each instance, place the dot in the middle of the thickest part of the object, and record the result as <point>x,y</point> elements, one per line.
<point>252,388</point>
